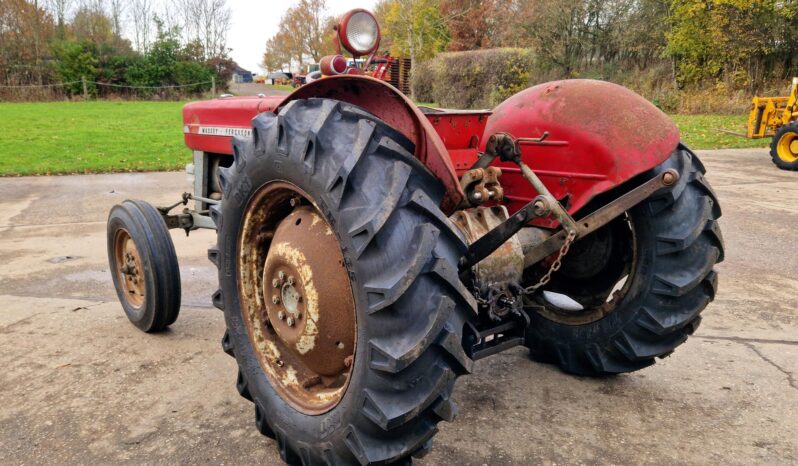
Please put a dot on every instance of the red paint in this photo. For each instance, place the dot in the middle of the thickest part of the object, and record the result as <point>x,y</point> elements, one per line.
<point>600,134</point>
<point>332,65</point>
<point>232,112</point>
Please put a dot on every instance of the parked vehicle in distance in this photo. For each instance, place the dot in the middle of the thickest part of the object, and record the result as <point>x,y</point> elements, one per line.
<point>777,118</point>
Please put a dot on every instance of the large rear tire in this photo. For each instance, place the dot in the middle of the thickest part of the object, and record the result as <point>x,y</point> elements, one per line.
<point>669,280</point>
<point>400,255</point>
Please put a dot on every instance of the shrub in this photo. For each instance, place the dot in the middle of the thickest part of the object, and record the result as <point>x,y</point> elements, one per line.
<point>421,82</point>
<point>474,79</point>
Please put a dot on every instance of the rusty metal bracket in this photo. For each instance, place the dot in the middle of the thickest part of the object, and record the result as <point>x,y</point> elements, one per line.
<point>602,216</point>
<point>188,220</point>
<point>481,185</point>
<point>495,238</point>
<point>552,204</point>
<point>507,148</point>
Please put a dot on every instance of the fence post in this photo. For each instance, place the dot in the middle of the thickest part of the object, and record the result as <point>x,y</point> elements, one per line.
<point>85,88</point>
<point>213,87</point>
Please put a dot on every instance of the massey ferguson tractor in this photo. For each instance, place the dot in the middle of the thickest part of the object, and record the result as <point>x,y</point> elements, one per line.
<point>369,251</point>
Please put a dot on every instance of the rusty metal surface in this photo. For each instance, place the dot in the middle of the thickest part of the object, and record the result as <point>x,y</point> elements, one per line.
<point>602,216</point>
<point>481,185</point>
<point>506,264</point>
<point>129,268</point>
<point>311,306</point>
<point>296,298</point>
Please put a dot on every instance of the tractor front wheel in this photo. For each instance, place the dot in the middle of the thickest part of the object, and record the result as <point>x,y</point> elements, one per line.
<point>633,290</point>
<point>143,265</point>
<point>784,147</point>
<point>338,280</point>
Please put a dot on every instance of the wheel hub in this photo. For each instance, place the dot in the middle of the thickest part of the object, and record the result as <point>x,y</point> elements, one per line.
<point>301,312</point>
<point>304,282</point>
<point>130,270</point>
<point>787,147</point>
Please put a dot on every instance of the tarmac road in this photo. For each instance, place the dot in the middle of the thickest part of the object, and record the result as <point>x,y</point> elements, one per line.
<point>79,384</point>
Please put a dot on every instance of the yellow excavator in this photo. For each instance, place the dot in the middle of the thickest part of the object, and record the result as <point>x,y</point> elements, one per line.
<point>777,117</point>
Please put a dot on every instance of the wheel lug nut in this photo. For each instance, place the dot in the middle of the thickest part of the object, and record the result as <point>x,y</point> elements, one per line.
<point>281,315</point>
<point>290,280</point>
<point>276,283</point>
<point>290,321</point>
<point>281,275</point>
<point>275,299</point>
<point>294,201</point>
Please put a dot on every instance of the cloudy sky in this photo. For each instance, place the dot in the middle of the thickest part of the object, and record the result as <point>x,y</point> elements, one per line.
<point>255,21</point>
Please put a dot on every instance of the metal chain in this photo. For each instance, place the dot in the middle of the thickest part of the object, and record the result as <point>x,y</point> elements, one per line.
<point>555,266</point>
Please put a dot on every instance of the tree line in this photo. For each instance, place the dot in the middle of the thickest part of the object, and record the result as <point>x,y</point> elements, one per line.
<point>137,44</point>
<point>740,44</point>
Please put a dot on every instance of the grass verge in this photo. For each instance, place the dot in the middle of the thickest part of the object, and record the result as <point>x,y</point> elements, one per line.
<point>107,136</point>
<point>701,132</point>
<point>280,87</point>
<point>91,137</point>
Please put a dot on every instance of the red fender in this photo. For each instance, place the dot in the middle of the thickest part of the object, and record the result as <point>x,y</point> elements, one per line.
<point>393,107</point>
<point>600,135</point>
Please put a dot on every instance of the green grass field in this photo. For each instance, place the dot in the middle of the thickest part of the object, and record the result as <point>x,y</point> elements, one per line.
<point>280,87</point>
<point>91,137</point>
<point>107,136</point>
<point>701,131</point>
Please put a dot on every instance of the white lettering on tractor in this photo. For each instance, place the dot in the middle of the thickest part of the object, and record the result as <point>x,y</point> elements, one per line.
<point>223,131</point>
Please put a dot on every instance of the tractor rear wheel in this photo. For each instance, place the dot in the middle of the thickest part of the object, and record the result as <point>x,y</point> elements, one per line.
<point>784,147</point>
<point>338,280</point>
<point>635,287</point>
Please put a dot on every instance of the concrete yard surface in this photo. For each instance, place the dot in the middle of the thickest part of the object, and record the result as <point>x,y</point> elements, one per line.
<point>80,385</point>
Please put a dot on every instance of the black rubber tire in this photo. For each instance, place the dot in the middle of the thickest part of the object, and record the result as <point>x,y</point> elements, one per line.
<point>774,154</point>
<point>678,244</point>
<point>161,271</point>
<point>401,254</point>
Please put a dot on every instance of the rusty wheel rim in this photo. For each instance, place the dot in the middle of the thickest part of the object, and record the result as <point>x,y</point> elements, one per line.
<point>296,298</point>
<point>621,288</point>
<point>129,269</point>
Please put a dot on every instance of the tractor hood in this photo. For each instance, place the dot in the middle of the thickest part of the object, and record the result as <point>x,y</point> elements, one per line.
<point>209,125</point>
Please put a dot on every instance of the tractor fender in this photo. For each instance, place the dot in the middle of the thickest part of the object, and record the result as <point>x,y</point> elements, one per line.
<point>399,112</point>
<point>599,136</point>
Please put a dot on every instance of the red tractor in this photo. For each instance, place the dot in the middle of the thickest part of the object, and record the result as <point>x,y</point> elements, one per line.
<point>369,250</point>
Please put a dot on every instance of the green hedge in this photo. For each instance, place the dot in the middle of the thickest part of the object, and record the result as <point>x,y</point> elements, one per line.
<point>476,79</point>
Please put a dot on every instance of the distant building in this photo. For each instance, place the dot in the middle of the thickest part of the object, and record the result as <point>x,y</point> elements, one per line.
<point>240,75</point>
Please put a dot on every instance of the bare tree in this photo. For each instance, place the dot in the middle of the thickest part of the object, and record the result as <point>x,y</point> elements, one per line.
<point>117,13</point>
<point>304,35</point>
<point>206,22</point>
<point>59,9</point>
<point>142,15</point>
